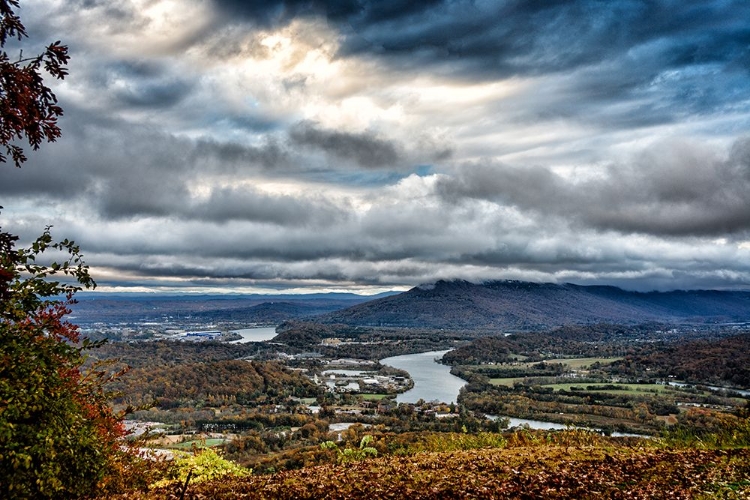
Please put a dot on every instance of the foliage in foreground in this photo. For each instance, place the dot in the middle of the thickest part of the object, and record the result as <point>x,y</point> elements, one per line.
<point>28,108</point>
<point>58,435</point>
<point>200,466</point>
<point>352,454</point>
<point>532,466</point>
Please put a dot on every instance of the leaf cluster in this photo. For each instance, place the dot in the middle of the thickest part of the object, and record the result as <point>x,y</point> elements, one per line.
<point>346,455</point>
<point>58,435</point>
<point>28,107</point>
<point>201,465</point>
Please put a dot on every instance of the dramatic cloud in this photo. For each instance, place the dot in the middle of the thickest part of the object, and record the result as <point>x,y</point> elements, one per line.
<point>366,145</point>
<point>671,189</point>
<point>365,149</point>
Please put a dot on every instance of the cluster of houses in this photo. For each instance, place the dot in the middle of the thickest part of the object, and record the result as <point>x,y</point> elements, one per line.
<point>352,380</point>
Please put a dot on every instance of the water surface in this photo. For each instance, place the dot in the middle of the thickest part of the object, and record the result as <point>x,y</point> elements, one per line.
<point>432,380</point>
<point>255,334</point>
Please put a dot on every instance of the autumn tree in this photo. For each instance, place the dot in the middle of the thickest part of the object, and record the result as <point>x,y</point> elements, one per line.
<point>58,436</point>
<point>28,108</point>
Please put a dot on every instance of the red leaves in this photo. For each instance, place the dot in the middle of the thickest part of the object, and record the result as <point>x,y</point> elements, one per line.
<point>58,435</point>
<point>28,108</point>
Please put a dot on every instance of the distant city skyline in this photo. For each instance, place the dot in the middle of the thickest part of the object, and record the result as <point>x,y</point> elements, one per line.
<point>361,146</point>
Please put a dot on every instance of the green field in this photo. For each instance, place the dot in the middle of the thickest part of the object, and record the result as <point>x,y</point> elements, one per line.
<point>199,443</point>
<point>373,397</point>
<point>578,363</point>
<point>573,363</point>
<point>622,388</point>
<point>508,382</point>
<point>632,389</point>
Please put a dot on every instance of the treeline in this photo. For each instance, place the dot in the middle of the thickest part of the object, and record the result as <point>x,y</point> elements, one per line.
<point>213,383</point>
<point>170,353</point>
<point>364,342</point>
<point>717,362</point>
<point>541,369</point>
<point>602,340</point>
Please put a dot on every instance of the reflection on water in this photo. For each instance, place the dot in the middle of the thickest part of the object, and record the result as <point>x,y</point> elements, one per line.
<point>255,334</point>
<point>553,426</point>
<point>432,381</point>
<point>711,387</point>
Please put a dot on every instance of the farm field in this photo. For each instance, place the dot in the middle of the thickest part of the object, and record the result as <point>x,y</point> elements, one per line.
<point>507,382</point>
<point>199,443</point>
<point>374,397</point>
<point>614,388</point>
<point>583,363</point>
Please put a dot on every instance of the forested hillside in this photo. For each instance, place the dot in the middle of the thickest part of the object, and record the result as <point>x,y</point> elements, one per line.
<point>724,362</point>
<point>215,383</point>
<point>514,305</point>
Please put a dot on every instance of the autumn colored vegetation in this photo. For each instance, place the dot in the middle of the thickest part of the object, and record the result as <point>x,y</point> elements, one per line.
<point>58,433</point>
<point>572,464</point>
<point>724,362</point>
<point>213,383</point>
<point>61,436</point>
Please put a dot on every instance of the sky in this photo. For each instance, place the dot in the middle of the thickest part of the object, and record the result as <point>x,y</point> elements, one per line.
<point>364,146</point>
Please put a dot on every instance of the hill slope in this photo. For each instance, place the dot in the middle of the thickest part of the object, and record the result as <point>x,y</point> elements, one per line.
<point>514,305</point>
<point>525,472</point>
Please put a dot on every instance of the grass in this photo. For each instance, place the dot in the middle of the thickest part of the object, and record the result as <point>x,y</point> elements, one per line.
<point>579,363</point>
<point>508,382</point>
<point>199,443</point>
<point>623,388</point>
<point>374,397</point>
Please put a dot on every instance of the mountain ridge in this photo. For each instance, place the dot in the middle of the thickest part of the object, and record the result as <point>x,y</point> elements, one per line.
<point>520,305</point>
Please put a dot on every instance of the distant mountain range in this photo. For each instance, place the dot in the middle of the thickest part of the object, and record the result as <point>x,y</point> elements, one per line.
<point>516,305</point>
<point>503,305</point>
<point>98,307</point>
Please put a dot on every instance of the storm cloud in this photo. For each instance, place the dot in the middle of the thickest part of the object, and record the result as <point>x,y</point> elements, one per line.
<point>670,189</point>
<point>369,145</point>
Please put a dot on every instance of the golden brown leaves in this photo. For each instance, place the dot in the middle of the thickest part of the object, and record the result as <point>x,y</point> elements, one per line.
<point>525,472</point>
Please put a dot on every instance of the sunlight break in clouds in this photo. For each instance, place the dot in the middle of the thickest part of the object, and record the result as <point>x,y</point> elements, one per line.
<point>368,145</point>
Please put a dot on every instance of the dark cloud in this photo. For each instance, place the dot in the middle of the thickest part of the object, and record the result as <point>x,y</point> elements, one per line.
<point>366,149</point>
<point>282,11</point>
<point>520,37</point>
<point>272,13</point>
<point>672,189</point>
<point>124,171</point>
<point>184,161</point>
<point>226,204</point>
<point>667,58</point>
<point>147,86</point>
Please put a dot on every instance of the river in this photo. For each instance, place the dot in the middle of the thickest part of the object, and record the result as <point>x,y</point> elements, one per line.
<point>741,392</point>
<point>255,334</point>
<point>432,381</point>
<point>552,426</point>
